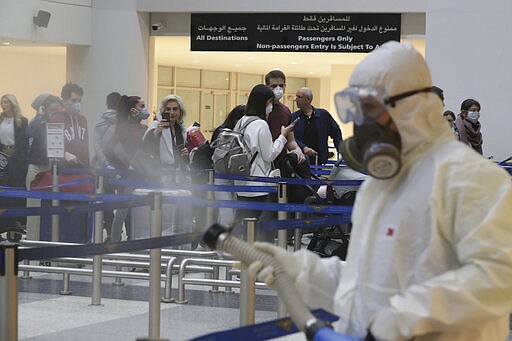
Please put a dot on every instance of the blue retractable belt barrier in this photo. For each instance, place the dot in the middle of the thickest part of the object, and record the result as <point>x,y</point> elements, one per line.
<point>265,330</point>
<point>49,252</point>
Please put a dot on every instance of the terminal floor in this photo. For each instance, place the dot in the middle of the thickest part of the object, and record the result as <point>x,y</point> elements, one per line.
<point>44,314</point>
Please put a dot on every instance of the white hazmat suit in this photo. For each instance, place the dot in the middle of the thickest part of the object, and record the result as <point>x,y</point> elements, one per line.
<point>430,255</point>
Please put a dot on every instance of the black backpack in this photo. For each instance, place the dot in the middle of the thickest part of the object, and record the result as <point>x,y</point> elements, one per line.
<point>201,157</point>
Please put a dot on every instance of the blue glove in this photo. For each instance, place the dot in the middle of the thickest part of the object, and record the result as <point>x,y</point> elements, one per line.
<point>328,334</point>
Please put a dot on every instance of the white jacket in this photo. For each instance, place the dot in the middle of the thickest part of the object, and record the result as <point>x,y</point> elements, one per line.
<point>166,141</point>
<point>430,254</point>
<point>258,138</point>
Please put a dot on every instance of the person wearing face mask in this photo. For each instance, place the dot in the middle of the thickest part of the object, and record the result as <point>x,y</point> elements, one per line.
<point>121,149</point>
<point>430,254</point>
<point>468,124</point>
<point>279,115</point>
<point>258,138</point>
<point>76,134</point>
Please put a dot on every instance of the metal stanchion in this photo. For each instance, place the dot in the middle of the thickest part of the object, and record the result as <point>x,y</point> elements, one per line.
<point>98,239</point>
<point>8,293</point>
<point>155,268</point>
<point>210,195</point>
<point>297,233</point>
<point>26,274</point>
<point>118,282</point>
<point>55,188</point>
<point>65,282</point>
<point>282,235</point>
<point>247,283</point>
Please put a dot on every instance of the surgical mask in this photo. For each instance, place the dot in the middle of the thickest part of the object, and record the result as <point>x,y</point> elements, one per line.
<point>278,92</point>
<point>374,150</point>
<point>473,116</point>
<point>268,108</point>
<point>143,114</point>
<point>74,107</point>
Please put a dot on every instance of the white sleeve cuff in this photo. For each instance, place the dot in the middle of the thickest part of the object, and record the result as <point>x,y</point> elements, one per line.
<point>385,326</point>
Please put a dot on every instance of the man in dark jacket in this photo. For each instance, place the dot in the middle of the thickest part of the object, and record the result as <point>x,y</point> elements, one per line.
<point>314,128</point>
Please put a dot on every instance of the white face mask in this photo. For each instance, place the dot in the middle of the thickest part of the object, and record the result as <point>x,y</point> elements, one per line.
<point>74,107</point>
<point>268,108</point>
<point>473,116</point>
<point>278,92</point>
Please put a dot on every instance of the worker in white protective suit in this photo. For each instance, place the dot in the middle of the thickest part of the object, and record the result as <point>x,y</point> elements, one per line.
<point>430,254</point>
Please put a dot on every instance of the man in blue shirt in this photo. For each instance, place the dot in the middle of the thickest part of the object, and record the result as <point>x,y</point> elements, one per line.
<point>314,128</point>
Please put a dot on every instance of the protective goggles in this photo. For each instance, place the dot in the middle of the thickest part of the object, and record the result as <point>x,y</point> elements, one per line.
<point>357,104</point>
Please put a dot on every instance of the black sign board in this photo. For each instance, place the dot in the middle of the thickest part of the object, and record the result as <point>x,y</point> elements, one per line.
<point>291,32</point>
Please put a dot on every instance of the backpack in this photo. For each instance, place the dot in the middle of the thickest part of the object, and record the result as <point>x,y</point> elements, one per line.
<point>201,157</point>
<point>231,155</point>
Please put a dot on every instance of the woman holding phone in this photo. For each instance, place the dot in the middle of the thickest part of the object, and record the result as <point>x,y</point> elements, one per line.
<point>258,138</point>
<point>164,141</point>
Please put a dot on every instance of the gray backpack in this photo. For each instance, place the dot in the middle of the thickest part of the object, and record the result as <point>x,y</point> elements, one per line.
<point>231,155</point>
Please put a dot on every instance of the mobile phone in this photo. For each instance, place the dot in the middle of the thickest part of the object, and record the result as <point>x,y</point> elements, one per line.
<point>295,120</point>
<point>166,116</point>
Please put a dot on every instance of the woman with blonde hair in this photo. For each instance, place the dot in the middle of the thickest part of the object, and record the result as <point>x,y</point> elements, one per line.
<point>165,139</point>
<point>13,155</point>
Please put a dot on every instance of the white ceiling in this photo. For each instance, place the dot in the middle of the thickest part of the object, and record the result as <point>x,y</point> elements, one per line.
<point>175,51</point>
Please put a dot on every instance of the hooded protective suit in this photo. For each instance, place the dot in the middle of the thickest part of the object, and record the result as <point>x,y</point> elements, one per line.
<point>430,255</point>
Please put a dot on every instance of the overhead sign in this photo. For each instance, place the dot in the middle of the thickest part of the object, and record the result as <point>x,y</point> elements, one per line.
<point>55,139</point>
<point>285,32</point>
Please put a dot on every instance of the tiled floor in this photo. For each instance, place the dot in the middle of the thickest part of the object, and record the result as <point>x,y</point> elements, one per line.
<point>123,314</point>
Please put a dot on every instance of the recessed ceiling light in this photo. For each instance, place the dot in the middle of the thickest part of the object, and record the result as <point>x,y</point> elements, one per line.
<point>250,58</point>
<point>195,61</point>
<point>238,65</point>
<point>6,43</point>
<point>202,52</point>
<point>294,63</point>
<point>311,72</point>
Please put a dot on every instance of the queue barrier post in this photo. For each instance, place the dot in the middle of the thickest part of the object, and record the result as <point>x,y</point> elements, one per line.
<point>155,268</point>
<point>247,282</point>
<point>8,292</point>
<point>55,203</point>
<point>210,195</point>
<point>98,238</point>
<point>282,235</point>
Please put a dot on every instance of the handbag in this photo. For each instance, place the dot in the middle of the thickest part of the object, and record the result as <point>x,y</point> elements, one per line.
<point>4,163</point>
<point>78,183</point>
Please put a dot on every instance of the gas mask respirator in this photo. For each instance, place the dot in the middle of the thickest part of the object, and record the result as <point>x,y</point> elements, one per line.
<point>374,148</point>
